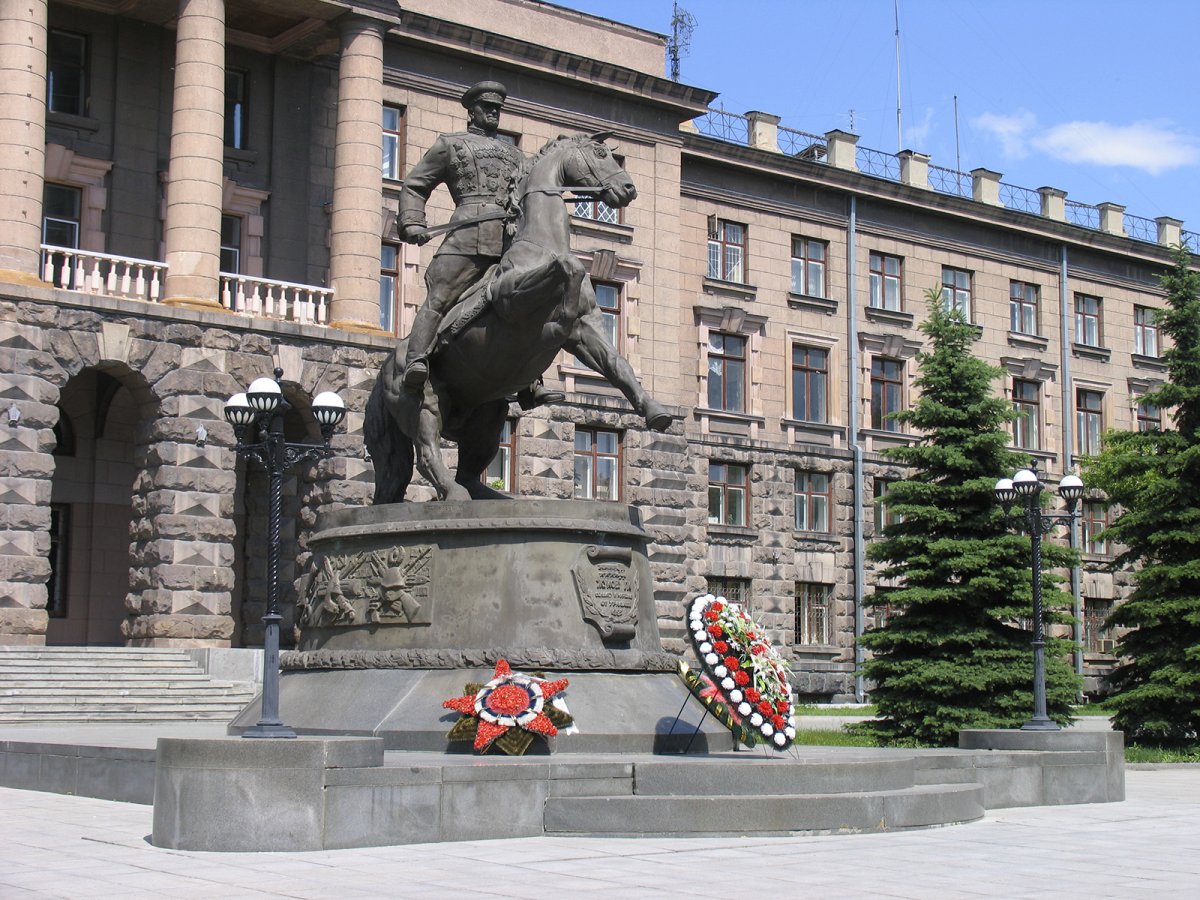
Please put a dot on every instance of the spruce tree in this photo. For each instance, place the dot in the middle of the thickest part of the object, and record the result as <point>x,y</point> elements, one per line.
<point>1154,477</point>
<point>952,654</point>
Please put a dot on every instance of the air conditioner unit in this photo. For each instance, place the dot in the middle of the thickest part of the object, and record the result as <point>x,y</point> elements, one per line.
<point>1108,645</point>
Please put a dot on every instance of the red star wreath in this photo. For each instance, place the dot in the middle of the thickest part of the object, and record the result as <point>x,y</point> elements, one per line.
<point>508,711</point>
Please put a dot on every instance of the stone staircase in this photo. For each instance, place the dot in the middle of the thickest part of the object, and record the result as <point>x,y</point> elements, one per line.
<point>43,685</point>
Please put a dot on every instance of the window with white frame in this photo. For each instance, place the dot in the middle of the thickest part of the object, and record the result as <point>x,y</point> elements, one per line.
<point>1089,421</point>
<point>1087,320</point>
<point>501,473</point>
<point>1149,417</point>
<point>886,279</point>
<point>1027,403</point>
<point>1093,521</point>
<point>726,250</point>
<point>1023,307</point>
<point>810,383</point>
<point>814,614</point>
<point>812,497</point>
<point>726,371</point>
<point>231,244</point>
<point>236,90</point>
<point>597,464</point>
<point>608,301</point>
<point>885,516</point>
<point>393,143</point>
<point>728,487</point>
<point>1097,636</point>
<point>1145,331</point>
<point>956,291</point>
<point>808,266</point>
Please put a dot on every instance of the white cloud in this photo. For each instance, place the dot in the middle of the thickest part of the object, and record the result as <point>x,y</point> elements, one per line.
<point>1010,130</point>
<point>917,134</point>
<point>1150,146</point>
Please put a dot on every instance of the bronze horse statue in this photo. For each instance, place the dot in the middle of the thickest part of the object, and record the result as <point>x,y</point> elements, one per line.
<point>503,335</point>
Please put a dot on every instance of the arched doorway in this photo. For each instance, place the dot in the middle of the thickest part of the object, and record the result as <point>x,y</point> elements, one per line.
<point>101,414</point>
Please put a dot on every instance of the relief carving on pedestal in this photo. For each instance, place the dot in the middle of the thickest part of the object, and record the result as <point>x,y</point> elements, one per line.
<point>608,591</point>
<point>391,584</point>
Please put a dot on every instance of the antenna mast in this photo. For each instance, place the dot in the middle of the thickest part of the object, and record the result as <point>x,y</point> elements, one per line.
<point>899,136</point>
<point>683,23</point>
<point>957,148</point>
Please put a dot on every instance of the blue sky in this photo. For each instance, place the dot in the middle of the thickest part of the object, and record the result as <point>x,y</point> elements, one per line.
<point>1094,97</point>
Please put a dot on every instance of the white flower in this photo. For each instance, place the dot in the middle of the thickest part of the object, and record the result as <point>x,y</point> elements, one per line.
<point>780,740</point>
<point>744,709</point>
<point>756,720</point>
<point>706,647</point>
<point>735,695</point>
<point>700,635</point>
<point>767,730</point>
<point>720,671</point>
<point>711,659</point>
<point>727,683</point>
<point>792,721</point>
<point>790,732</point>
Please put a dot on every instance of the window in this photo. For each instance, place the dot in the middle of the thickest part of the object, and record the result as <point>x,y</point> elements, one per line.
<point>812,501</point>
<point>66,73</point>
<point>884,515</point>
<point>1089,421</point>
<point>231,244</point>
<point>808,266</point>
<point>393,143</point>
<point>814,613</point>
<point>1026,398</point>
<point>726,371</point>
<point>597,211</point>
<point>1097,637</point>
<point>956,290</point>
<point>60,228</point>
<point>608,299</point>
<point>735,590</point>
<point>597,464</point>
<point>810,384</point>
<point>56,584</point>
<point>1149,417</point>
<point>389,284</point>
<point>1093,521</point>
<point>235,109</point>
<point>1087,320</point>
<point>1023,307</point>
<point>726,250</point>
<point>500,474</point>
<point>887,392</point>
<point>1145,331</point>
<point>727,494</point>
<point>886,273</point>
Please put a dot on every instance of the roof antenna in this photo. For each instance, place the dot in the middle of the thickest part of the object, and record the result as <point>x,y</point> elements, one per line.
<point>683,23</point>
<point>899,137</point>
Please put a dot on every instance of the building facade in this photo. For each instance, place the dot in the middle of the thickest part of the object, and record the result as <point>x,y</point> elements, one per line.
<point>196,193</point>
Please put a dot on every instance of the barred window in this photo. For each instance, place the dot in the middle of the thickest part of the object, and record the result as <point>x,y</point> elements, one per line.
<point>814,614</point>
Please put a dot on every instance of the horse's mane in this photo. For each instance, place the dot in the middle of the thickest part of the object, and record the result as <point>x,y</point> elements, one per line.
<point>516,183</point>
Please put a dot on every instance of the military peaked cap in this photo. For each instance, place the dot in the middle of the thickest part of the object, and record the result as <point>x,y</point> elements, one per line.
<point>487,91</point>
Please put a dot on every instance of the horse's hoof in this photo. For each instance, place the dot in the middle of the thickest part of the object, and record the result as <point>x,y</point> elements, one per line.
<point>657,417</point>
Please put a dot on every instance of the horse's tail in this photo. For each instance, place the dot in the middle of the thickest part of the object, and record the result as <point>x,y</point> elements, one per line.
<point>390,448</point>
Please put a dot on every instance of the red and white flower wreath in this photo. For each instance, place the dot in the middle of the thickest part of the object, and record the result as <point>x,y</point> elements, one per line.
<point>743,670</point>
<point>511,700</point>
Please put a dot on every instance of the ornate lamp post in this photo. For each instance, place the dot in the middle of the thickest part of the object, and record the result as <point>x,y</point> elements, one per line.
<point>1025,489</point>
<point>259,413</point>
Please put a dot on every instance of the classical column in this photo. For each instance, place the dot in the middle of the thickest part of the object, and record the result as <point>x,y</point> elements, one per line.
<point>192,231</point>
<point>357,178</point>
<point>22,137</point>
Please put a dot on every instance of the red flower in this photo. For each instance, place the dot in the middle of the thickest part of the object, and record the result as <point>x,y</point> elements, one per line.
<point>781,706</point>
<point>711,615</point>
<point>721,647</point>
<point>779,722</point>
<point>765,708</point>
<point>731,662</point>
<point>716,606</point>
<point>741,677</point>
<point>758,649</point>
<point>753,695</point>
<point>716,631</point>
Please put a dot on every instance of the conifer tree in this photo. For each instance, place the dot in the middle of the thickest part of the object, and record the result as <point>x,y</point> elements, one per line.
<point>1154,477</point>
<point>952,654</point>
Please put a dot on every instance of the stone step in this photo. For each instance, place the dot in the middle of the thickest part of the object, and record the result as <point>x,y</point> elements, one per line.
<point>74,673</point>
<point>121,689</point>
<point>208,713</point>
<point>799,774</point>
<point>858,811</point>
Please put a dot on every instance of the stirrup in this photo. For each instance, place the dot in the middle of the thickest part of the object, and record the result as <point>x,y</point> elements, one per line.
<point>416,373</point>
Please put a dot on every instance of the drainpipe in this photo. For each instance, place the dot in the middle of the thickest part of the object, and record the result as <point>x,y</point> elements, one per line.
<point>1068,432</point>
<point>855,447</point>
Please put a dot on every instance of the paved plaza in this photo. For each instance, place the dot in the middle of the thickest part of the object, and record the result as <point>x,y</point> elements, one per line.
<point>1148,846</point>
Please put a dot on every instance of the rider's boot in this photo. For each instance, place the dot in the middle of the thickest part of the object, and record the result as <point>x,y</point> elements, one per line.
<point>420,340</point>
<point>537,394</point>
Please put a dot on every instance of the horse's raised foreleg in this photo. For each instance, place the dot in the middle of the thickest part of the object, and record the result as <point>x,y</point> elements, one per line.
<point>591,345</point>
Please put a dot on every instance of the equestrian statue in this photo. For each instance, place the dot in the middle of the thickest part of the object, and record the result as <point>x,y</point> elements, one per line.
<point>504,294</point>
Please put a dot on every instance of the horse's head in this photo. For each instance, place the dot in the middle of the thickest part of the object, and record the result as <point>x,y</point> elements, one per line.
<point>592,164</point>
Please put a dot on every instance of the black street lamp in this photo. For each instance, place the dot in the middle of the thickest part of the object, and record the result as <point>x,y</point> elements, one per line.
<point>263,407</point>
<point>1025,488</point>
